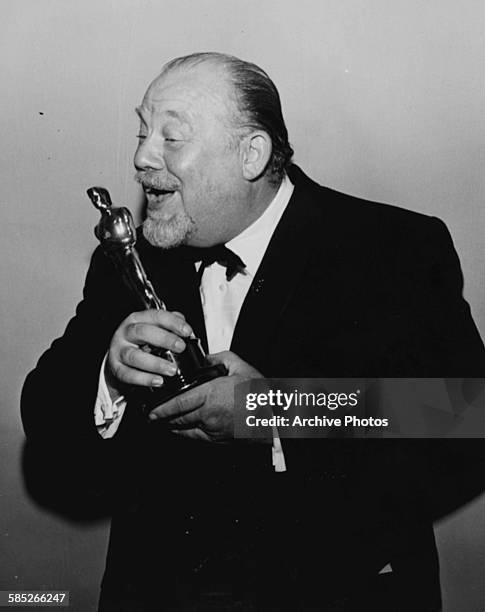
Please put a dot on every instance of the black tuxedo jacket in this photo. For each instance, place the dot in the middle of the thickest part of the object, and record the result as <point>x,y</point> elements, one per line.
<point>346,288</point>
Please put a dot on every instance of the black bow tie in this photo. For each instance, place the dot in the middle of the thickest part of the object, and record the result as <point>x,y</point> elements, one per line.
<point>224,256</point>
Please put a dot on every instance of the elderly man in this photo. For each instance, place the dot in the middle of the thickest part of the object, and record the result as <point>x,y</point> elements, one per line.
<point>323,285</point>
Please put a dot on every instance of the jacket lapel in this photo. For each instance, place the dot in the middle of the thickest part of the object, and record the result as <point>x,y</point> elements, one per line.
<point>279,272</point>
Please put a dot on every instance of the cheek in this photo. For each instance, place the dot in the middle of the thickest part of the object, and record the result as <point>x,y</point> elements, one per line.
<point>178,164</point>
<point>190,169</point>
<point>201,175</point>
<point>207,179</point>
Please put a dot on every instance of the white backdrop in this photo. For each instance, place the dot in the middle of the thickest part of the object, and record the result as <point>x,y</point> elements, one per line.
<point>383,99</point>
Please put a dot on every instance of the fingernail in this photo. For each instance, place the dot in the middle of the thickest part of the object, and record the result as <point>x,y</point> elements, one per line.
<point>172,369</point>
<point>186,330</point>
<point>157,381</point>
<point>179,344</point>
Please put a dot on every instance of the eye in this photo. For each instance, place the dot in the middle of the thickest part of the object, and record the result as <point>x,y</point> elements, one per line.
<point>173,143</point>
<point>141,136</point>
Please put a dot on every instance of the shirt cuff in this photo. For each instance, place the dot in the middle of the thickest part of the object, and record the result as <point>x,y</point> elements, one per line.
<point>107,413</point>
<point>278,456</point>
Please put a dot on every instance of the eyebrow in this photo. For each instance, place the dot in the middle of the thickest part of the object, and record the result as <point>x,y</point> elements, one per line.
<point>180,116</point>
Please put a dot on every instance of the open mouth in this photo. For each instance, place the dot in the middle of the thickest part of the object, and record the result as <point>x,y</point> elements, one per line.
<point>157,193</point>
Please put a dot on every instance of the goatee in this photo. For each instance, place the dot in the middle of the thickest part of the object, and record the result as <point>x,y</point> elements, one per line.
<point>167,234</point>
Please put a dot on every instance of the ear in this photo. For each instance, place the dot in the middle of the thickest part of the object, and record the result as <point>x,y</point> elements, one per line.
<point>256,152</point>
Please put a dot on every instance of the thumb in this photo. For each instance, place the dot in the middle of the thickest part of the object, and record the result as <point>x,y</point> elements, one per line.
<point>227,358</point>
<point>234,364</point>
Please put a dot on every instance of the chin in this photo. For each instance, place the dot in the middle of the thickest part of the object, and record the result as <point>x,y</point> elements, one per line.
<point>168,234</point>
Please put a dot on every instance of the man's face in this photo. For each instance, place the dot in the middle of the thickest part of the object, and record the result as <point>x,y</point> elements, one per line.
<point>187,160</point>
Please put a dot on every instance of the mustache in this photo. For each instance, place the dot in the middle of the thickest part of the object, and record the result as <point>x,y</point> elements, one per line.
<point>154,180</point>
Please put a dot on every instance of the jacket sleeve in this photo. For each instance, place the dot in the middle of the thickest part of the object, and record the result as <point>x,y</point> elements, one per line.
<point>444,318</point>
<point>70,367</point>
<point>65,460</point>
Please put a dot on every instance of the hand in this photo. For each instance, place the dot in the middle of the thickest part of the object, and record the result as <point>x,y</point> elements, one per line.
<point>207,411</point>
<point>129,361</point>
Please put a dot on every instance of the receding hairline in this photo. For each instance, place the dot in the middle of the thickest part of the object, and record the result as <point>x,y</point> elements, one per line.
<point>189,64</point>
<point>224,62</point>
<point>221,60</point>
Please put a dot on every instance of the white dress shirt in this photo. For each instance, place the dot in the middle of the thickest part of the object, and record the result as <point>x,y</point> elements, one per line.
<point>221,303</point>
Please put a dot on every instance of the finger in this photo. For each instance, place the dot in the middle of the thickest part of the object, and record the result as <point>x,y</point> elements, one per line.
<point>131,376</point>
<point>138,359</point>
<point>229,359</point>
<point>166,319</point>
<point>190,420</point>
<point>179,314</point>
<point>225,357</point>
<point>234,364</point>
<point>194,434</point>
<point>147,333</point>
<point>179,405</point>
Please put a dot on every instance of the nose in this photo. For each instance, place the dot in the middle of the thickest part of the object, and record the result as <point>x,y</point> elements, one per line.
<point>148,155</point>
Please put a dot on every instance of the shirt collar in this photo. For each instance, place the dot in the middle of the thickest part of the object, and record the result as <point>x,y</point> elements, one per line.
<point>252,243</point>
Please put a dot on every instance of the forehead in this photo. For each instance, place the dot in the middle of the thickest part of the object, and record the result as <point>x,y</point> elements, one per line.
<point>190,92</point>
